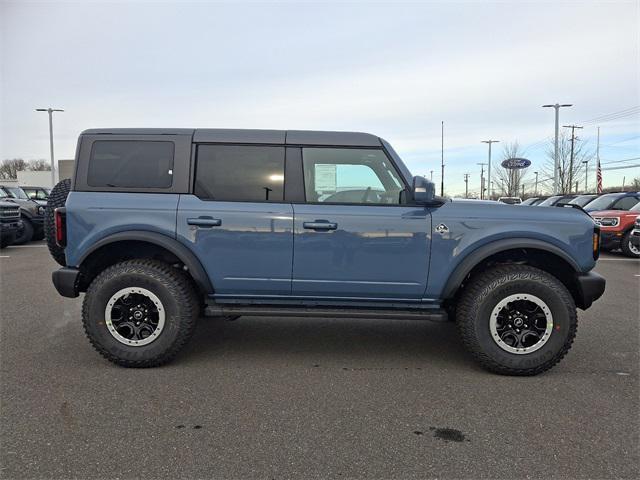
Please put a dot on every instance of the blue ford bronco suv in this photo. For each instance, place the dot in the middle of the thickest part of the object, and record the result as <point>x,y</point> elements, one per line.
<point>161,226</point>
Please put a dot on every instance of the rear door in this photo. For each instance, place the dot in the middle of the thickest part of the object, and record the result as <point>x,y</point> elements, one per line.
<point>237,222</point>
<point>354,235</point>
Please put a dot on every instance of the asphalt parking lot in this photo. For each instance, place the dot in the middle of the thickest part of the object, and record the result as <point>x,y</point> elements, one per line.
<point>311,398</point>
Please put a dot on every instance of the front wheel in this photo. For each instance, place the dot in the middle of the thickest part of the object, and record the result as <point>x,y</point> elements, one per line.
<point>26,234</point>
<point>517,320</point>
<point>628,248</point>
<point>140,313</point>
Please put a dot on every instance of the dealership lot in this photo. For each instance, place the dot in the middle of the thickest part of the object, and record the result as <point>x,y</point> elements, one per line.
<point>277,398</point>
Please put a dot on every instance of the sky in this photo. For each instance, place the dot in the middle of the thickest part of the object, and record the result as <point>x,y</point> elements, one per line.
<point>390,68</point>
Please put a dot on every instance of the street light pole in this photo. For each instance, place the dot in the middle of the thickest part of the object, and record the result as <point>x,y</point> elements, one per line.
<point>53,167</point>
<point>556,163</point>
<point>535,192</point>
<point>489,163</point>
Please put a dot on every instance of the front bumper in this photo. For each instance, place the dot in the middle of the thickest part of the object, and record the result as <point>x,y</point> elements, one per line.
<point>10,228</point>
<point>590,288</point>
<point>610,240</point>
<point>65,280</point>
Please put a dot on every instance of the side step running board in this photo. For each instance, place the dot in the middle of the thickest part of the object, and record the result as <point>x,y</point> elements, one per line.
<point>217,310</point>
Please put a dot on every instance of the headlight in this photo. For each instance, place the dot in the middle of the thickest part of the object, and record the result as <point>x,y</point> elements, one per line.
<point>610,221</point>
<point>40,210</point>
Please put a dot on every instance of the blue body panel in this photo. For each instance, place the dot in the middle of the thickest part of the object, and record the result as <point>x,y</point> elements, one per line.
<point>92,216</point>
<point>472,225</point>
<point>376,252</point>
<point>249,253</point>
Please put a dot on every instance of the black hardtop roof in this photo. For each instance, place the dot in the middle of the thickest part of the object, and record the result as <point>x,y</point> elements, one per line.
<point>275,137</point>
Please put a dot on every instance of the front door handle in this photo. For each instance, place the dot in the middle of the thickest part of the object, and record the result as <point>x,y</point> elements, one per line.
<point>204,222</point>
<point>320,225</point>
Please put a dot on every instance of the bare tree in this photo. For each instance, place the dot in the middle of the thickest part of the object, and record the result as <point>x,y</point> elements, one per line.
<point>9,168</point>
<point>509,180</point>
<point>569,171</point>
<point>39,166</point>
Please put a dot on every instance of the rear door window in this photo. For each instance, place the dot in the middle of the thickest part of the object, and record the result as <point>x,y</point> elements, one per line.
<point>240,173</point>
<point>131,164</point>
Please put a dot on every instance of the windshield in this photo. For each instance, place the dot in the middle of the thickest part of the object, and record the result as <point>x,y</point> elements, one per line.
<point>549,201</point>
<point>582,200</point>
<point>3,193</point>
<point>603,203</point>
<point>17,192</point>
<point>635,208</point>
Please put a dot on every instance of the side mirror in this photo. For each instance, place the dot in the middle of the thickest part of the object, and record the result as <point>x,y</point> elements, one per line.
<point>424,191</point>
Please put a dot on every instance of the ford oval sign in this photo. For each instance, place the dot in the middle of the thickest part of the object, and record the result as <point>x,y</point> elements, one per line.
<point>516,163</point>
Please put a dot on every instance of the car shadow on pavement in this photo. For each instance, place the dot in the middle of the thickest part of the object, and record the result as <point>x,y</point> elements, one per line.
<point>310,341</point>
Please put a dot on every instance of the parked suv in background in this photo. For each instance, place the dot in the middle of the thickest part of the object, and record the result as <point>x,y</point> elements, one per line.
<point>32,213</point>
<point>635,233</point>
<point>616,229</point>
<point>613,201</point>
<point>584,199</point>
<point>37,193</point>
<point>10,224</point>
<point>557,201</point>
<point>162,226</point>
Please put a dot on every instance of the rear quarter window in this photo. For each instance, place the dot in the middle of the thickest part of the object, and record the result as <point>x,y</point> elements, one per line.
<point>131,164</point>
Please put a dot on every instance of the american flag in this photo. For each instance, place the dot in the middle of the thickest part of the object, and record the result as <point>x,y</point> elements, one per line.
<point>599,175</point>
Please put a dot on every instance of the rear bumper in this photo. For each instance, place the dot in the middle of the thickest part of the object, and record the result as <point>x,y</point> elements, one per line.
<point>66,281</point>
<point>590,288</point>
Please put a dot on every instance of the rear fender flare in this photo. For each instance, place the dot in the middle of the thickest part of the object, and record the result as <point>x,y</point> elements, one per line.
<point>185,255</point>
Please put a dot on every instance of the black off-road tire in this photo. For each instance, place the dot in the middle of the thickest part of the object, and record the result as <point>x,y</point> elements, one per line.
<point>179,300</point>
<point>626,247</point>
<point>486,290</point>
<point>57,198</point>
<point>27,233</point>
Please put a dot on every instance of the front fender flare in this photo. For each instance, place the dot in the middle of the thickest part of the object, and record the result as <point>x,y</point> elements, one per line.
<point>478,255</point>
<point>185,255</point>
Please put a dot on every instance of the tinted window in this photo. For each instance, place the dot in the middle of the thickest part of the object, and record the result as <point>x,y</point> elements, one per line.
<point>550,201</point>
<point>240,173</point>
<point>603,202</point>
<point>350,175</point>
<point>131,164</point>
<point>625,203</point>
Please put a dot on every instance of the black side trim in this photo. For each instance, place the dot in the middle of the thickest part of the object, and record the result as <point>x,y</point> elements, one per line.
<point>218,310</point>
<point>478,255</point>
<point>66,281</point>
<point>179,250</point>
<point>590,288</point>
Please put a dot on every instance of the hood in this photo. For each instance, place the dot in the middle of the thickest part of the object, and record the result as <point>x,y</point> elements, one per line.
<point>42,203</point>
<point>614,213</point>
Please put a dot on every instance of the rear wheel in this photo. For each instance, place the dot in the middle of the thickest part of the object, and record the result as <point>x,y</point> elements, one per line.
<point>57,198</point>
<point>628,248</point>
<point>517,320</point>
<point>140,313</point>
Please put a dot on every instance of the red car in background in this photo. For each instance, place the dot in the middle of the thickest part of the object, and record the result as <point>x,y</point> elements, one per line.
<point>616,228</point>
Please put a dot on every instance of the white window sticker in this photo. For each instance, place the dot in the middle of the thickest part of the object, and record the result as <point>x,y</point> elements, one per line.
<point>325,177</point>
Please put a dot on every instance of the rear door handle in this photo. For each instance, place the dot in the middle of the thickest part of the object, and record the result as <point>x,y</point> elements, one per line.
<point>320,225</point>
<point>204,222</point>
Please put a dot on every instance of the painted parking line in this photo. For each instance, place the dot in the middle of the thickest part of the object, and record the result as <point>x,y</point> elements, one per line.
<point>617,259</point>
<point>5,256</point>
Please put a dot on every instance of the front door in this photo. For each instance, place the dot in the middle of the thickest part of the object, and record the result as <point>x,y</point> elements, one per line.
<point>236,221</point>
<point>354,237</point>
